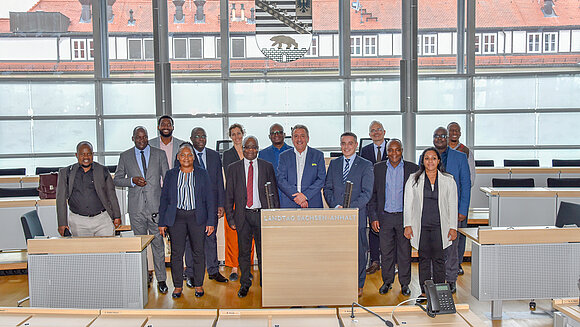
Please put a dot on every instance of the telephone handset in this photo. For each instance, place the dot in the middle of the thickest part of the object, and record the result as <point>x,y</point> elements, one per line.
<point>439,298</point>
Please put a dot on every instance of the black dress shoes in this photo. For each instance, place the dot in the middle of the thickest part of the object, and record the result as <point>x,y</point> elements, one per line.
<point>189,283</point>
<point>373,268</point>
<point>176,295</point>
<point>218,278</point>
<point>243,291</point>
<point>199,293</point>
<point>453,287</point>
<point>234,276</point>
<point>405,290</point>
<point>385,288</point>
<point>162,287</point>
<point>460,271</point>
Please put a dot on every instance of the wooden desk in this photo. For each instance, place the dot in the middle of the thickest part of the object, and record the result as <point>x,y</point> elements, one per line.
<point>40,317</point>
<point>409,315</point>
<point>567,312</point>
<point>282,317</point>
<point>523,263</point>
<point>153,318</point>
<point>58,268</point>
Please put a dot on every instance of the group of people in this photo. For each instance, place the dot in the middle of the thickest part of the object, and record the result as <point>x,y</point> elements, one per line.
<point>176,188</point>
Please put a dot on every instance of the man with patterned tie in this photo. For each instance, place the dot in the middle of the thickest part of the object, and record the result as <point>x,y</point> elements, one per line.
<point>209,160</point>
<point>375,152</point>
<point>245,197</point>
<point>359,171</point>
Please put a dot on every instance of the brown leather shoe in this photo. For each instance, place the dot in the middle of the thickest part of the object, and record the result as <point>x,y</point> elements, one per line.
<point>373,268</point>
<point>360,292</point>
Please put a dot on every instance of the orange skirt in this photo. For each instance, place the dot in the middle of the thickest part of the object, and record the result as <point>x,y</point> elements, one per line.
<point>231,240</point>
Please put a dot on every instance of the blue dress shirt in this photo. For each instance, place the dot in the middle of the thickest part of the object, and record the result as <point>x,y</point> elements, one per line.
<point>272,154</point>
<point>394,187</point>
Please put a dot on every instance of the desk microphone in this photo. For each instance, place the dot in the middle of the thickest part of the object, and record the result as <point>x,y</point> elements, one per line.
<point>387,322</point>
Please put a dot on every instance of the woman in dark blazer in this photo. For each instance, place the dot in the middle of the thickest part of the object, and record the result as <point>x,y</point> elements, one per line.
<point>235,153</point>
<point>430,215</point>
<point>183,211</point>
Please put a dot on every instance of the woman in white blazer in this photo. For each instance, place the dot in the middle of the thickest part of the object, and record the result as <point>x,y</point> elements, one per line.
<point>430,215</point>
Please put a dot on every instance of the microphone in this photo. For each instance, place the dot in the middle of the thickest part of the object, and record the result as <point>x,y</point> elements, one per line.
<point>347,194</point>
<point>269,195</point>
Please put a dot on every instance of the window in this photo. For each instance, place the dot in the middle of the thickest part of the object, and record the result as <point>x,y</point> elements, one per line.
<point>355,45</point>
<point>534,40</point>
<point>489,43</point>
<point>418,44</point>
<point>180,48</point>
<point>135,49</point>
<point>370,43</point>
<point>429,44</point>
<point>550,41</point>
<point>218,47</point>
<point>477,43</point>
<point>313,50</point>
<point>79,49</point>
<point>148,47</point>
<point>91,49</point>
<point>238,47</point>
<point>196,48</point>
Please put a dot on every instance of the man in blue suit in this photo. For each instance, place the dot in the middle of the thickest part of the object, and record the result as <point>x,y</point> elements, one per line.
<point>272,153</point>
<point>209,160</point>
<point>456,164</point>
<point>359,171</point>
<point>301,173</point>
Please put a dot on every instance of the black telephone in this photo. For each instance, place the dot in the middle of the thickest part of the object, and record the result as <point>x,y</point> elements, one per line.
<point>439,298</point>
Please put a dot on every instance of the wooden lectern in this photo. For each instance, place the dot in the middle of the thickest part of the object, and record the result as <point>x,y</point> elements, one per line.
<point>309,257</point>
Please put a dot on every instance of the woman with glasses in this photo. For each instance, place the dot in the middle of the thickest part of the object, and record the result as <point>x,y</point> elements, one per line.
<point>430,215</point>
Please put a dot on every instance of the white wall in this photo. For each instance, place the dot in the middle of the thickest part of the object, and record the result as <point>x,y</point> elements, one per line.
<point>325,45</point>
<point>397,44</point>
<point>121,48</point>
<point>37,48</point>
<point>444,43</point>
<point>252,50</point>
<point>500,42</point>
<point>112,48</point>
<point>575,46</point>
<point>64,48</point>
<point>564,41</point>
<point>385,44</point>
<point>519,42</point>
<point>209,47</point>
<point>336,42</point>
<point>454,43</point>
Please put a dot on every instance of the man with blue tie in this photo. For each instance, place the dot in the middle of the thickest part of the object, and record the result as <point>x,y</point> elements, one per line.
<point>358,171</point>
<point>272,153</point>
<point>301,173</point>
<point>209,160</point>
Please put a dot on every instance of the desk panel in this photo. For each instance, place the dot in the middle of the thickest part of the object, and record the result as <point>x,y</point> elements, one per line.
<point>47,214</point>
<point>281,317</point>
<point>11,233</point>
<point>525,211</point>
<point>483,179</point>
<point>13,319</point>
<point>120,321</point>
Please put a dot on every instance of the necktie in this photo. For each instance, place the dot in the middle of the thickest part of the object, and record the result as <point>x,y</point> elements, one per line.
<point>201,163</point>
<point>345,171</point>
<point>250,186</point>
<point>144,163</point>
<point>379,155</point>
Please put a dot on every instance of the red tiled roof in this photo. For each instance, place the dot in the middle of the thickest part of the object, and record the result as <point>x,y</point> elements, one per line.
<point>4,25</point>
<point>302,64</point>
<point>433,14</point>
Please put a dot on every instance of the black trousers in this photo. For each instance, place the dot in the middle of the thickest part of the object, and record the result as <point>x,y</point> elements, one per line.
<point>250,229</point>
<point>374,246</point>
<point>211,259</point>
<point>185,226</point>
<point>431,253</point>
<point>394,246</point>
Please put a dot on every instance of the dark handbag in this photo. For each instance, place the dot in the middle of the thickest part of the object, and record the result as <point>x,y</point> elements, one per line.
<point>47,185</point>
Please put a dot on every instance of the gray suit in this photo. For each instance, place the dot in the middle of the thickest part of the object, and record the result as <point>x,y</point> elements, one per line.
<point>176,143</point>
<point>144,201</point>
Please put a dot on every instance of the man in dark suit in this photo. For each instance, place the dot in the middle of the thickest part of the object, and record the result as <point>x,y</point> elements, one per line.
<point>386,212</point>
<point>358,171</point>
<point>455,163</point>
<point>209,160</point>
<point>301,173</point>
<point>375,152</point>
<point>245,197</point>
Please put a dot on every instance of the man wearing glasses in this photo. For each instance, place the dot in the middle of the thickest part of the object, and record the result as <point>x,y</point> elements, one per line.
<point>209,160</point>
<point>375,152</point>
<point>455,163</point>
<point>272,153</point>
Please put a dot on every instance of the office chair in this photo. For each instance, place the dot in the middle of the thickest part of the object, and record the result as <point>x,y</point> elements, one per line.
<point>565,162</point>
<point>568,214</point>
<point>563,182</point>
<point>223,145</point>
<point>46,170</point>
<point>32,227</point>
<point>521,163</point>
<point>17,192</point>
<point>512,182</point>
<point>13,172</point>
<point>484,163</point>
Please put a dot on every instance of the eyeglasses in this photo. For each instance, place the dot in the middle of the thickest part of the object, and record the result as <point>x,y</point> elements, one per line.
<point>439,136</point>
<point>251,147</point>
<point>377,130</point>
<point>200,137</point>
<point>277,133</point>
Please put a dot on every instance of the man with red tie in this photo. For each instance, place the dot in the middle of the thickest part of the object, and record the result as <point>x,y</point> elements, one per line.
<point>245,198</point>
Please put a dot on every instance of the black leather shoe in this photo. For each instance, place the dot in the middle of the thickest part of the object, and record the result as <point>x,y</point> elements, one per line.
<point>385,288</point>
<point>243,291</point>
<point>405,290</point>
<point>189,282</point>
<point>373,268</point>
<point>218,278</point>
<point>162,287</point>
<point>176,295</point>
<point>251,276</point>
<point>453,287</point>
<point>199,293</point>
<point>460,271</point>
<point>150,276</point>
<point>234,277</point>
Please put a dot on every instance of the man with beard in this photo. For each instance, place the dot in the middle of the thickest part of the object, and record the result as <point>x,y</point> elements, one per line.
<point>272,153</point>
<point>87,189</point>
<point>166,141</point>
